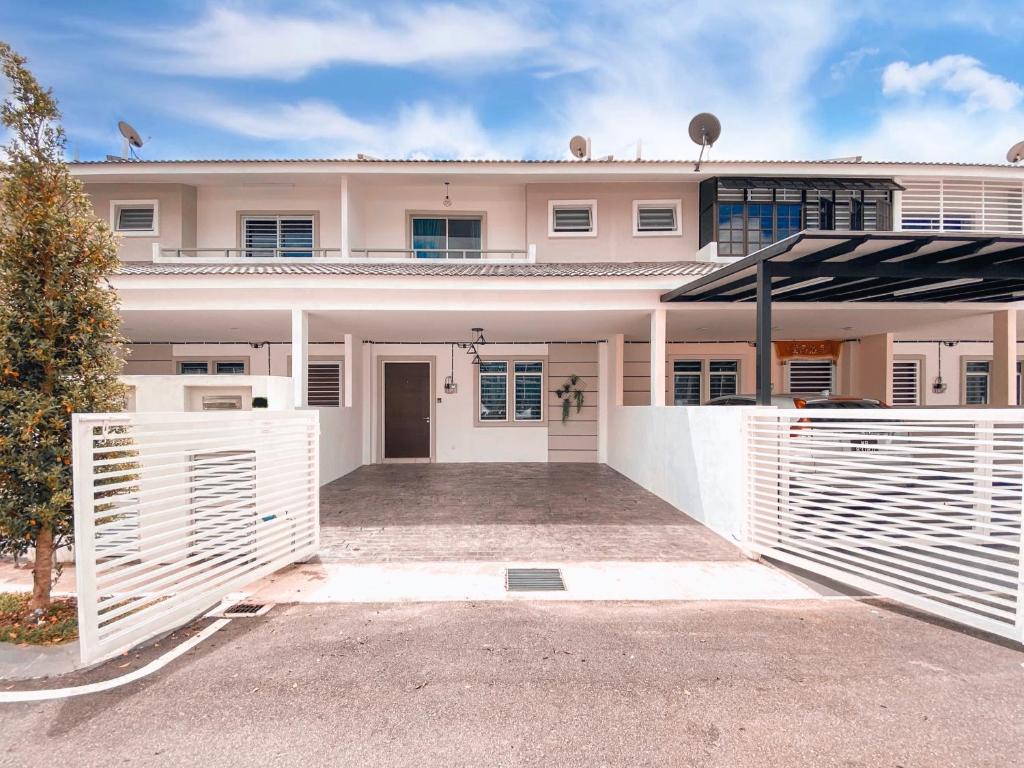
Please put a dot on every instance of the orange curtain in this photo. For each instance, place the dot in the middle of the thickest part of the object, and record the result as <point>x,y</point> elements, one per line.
<point>788,350</point>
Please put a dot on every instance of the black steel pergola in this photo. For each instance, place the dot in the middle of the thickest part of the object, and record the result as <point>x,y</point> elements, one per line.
<point>818,266</point>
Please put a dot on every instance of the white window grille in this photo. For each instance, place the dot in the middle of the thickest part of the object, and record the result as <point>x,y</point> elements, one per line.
<point>193,367</point>
<point>283,235</point>
<point>906,382</point>
<point>493,390</point>
<point>810,376</point>
<point>695,381</point>
<point>134,218</point>
<point>977,374</point>
<point>529,391</point>
<point>962,205</point>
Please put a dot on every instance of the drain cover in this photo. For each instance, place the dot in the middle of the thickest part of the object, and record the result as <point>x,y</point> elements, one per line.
<point>246,610</point>
<point>533,580</point>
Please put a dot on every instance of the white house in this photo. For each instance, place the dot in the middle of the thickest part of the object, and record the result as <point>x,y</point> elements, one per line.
<point>354,286</point>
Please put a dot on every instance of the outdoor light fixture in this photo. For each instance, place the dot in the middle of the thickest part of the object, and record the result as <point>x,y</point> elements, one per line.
<point>447,202</point>
<point>472,347</point>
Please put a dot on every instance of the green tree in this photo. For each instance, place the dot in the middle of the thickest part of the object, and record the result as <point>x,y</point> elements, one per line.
<point>59,327</point>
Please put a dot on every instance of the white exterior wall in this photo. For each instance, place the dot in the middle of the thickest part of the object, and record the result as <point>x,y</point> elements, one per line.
<point>456,438</point>
<point>952,366</point>
<point>219,208</point>
<point>692,457</point>
<point>151,393</point>
<point>382,210</point>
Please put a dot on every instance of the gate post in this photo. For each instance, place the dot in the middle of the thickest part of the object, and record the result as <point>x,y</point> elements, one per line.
<point>82,464</point>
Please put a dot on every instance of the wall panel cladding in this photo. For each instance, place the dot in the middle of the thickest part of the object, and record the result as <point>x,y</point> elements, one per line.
<point>576,439</point>
<point>636,374</point>
<point>149,359</point>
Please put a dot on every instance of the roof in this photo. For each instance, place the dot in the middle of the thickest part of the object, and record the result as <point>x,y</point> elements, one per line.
<point>708,164</point>
<point>460,269</point>
<point>831,266</point>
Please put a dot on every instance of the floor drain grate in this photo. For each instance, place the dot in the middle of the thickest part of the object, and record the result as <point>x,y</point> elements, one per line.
<point>246,610</point>
<point>533,580</point>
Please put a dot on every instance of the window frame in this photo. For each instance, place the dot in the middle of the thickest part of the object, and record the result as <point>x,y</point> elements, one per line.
<point>592,204</point>
<point>327,360</point>
<point>787,376</point>
<point>410,215</point>
<point>243,215</point>
<point>964,360</point>
<point>511,420</point>
<point>676,204</point>
<point>920,396</point>
<point>704,374</point>
<point>211,365</point>
<point>117,205</point>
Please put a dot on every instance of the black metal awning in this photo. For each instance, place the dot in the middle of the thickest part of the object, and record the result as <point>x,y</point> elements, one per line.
<point>830,266</point>
<point>805,182</point>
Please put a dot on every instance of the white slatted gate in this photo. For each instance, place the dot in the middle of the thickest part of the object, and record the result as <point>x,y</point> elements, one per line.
<point>173,511</point>
<point>921,506</point>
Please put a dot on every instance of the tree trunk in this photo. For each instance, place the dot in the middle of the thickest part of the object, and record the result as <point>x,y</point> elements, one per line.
<point>42,571</point>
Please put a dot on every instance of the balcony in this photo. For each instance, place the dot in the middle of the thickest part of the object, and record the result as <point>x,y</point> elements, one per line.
<point>367,255</point>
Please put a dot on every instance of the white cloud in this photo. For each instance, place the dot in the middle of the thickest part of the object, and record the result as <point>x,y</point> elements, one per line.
<point>956,74</point>
<point>846,66</point>
<point>252,43</point>
<point>417,131</point>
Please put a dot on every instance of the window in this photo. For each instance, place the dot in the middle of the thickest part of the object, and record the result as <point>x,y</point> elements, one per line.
<point>437,237</point>
<point>656,217</point>
<point>493,390</point>
<point>284,235</point>
<point>202,367</point>
<point>696,381</point>
<point>572,218</point>
<point>523,396</point>
<point>810,376</point>
<point>976,382</point>
<point>529,391</point>
<point>134,218</point>
<point>906,382</point>
<point>324,383</point>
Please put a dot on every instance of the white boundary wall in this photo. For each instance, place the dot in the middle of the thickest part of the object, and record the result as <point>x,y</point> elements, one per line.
<point>173,511</point>
<point>692,457</point>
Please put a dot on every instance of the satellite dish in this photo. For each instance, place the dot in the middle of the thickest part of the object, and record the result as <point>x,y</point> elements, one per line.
<point>130,134</point>
<point>704,131</point>
<point>1016,153</point>
<point>580,147</point>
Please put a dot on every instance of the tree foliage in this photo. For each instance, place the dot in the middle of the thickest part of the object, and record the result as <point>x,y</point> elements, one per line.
<point>59,325</point>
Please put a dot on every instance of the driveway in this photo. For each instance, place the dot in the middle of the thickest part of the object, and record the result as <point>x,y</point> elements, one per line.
<point>553,684</point>
<point>384,513</point>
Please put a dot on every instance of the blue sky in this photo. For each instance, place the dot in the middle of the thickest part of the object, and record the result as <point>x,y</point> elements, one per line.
<point>802,80</point>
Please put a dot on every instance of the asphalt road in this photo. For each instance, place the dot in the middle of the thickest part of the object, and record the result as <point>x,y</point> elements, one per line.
<point>553,684</point>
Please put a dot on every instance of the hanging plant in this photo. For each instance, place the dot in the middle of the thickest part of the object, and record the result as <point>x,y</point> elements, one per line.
<point>572,391</point>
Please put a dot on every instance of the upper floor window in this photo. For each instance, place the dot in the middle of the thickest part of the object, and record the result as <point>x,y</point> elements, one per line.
<point>268,235</point>
<point>438,237</point>
<point>656,217</point>
<point>572,218</point>
<point>134,218</point>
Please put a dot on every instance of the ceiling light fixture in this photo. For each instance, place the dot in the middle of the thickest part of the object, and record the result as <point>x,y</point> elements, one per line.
<point>447,202</point>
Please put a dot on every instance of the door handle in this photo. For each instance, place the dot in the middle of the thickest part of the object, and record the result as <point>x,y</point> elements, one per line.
<point>426,419</point>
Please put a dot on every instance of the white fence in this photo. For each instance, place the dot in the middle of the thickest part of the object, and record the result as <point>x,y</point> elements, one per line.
<point>923,507</point>
<point>175,510</point>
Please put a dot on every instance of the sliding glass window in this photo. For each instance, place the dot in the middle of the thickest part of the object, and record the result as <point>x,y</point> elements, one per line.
<point>438,237</point>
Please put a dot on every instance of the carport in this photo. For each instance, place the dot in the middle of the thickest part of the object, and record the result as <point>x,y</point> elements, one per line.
<point>891,268</point>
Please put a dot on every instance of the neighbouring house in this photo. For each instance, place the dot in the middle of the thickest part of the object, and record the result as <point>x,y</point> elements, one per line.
<point>442,311</point>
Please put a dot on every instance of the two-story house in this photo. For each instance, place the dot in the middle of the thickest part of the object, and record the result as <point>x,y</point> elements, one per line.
<point>495,310</point>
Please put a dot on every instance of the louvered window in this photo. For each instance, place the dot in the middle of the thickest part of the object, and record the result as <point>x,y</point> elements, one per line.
<point>723,378</point>
<point>493,391</point>
<point>573,217</point>
<point>268,236</point>
<point>656,217</point>
<point>230,367</point>
<point>976,382</point>
<point>962,205</point>
<point>324,383</point>
<point>686,382</point>
<point>810,377</point>
<point>193,367</point>
<point>135,218</point>
<point>695,381</point>
<point>906,382</point>
<point>529,391</point>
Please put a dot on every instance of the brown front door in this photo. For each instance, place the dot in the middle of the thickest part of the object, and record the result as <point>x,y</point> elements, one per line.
<point>406,410</point>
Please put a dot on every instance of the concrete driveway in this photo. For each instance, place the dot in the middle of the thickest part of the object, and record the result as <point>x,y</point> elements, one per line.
<point>553,684</point>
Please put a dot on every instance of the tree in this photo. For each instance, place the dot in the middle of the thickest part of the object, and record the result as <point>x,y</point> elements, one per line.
<point>59,326</point>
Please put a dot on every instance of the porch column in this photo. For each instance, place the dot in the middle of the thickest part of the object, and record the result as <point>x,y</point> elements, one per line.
<point>1004,358</point>
<point>346,246</point>
<point>658,357</point>
<point>873,376</point>
<point>300,356</point>
<point>764,334</point>
<point>618,360</point>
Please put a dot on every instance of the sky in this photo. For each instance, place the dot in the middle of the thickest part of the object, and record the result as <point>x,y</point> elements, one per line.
<point>896,80</point>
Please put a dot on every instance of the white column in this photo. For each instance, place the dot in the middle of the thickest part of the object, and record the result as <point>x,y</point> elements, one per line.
<point>351,353</point>
<point>300,356</point>
<point>1004,358</point>
<point>346,251</point>
<point>618,361</point>
<point>604,397</point>
<point>658,357</point>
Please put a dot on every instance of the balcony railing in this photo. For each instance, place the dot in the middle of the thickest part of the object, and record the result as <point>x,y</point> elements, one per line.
<point>378,255</point>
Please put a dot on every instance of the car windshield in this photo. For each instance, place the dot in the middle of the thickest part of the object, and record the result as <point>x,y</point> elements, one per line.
<point>843,404</point>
